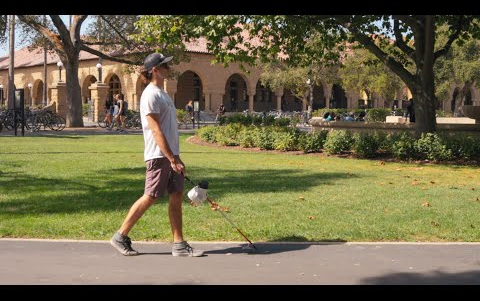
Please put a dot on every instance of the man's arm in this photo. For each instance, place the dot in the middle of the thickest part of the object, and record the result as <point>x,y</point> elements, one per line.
<point>154,124</point>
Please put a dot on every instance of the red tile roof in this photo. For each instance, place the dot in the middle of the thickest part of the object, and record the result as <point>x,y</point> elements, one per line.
<point>25,58</point>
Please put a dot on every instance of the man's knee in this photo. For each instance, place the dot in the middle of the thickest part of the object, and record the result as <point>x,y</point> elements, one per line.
<point>150,200</point>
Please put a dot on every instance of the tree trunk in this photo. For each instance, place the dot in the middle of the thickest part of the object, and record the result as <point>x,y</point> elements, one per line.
<point>74,96</point>
<point>424,90</point>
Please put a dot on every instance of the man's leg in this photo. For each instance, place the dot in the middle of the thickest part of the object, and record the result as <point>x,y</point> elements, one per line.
<point>180,247</point>
<point>135,212</point>
<point>120,239</point>
<point>175,215</point>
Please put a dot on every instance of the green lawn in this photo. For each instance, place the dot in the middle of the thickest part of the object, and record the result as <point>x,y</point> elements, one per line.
<point>81,187</point>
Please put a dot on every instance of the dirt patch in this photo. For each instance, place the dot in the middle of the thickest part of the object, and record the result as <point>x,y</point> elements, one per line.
<point>382,157</point>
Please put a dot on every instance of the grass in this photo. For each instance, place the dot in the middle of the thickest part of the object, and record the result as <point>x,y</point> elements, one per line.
<point>81,187</point>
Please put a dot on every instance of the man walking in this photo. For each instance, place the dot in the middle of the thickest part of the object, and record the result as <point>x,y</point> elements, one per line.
<point>165,169</point>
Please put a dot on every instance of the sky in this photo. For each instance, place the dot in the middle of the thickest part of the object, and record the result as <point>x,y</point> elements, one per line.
<point>4,48</point>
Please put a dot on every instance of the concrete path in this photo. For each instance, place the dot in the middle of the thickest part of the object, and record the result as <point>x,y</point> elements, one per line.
<point>96,262</point>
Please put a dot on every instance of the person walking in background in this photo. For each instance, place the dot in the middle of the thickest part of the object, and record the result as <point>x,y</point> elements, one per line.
<point>410,111</point>
<point>220,112</point>
<point>165,170</point>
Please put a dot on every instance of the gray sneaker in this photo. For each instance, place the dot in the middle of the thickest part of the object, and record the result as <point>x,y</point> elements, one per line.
<point>185,250</point>
<point>123,244</point>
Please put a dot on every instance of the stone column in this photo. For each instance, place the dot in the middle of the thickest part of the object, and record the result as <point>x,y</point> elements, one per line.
<point>208,101</point>
<point>59,96</point>
<point>216,99</point>
<point>99,95</point>
<point>250,103</point>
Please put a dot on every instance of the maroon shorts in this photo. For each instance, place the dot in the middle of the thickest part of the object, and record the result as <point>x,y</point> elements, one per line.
<point>160,177</point>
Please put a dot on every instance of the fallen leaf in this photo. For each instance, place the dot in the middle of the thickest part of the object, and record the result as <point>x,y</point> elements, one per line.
<point>426,204</point>
<point>478,200</point>
<point>472,226</point>
<point>473,188</point>
<point>382,163</point>
<point>302,198</point>
<point>435,224</point>
<point>311,217</point>
<point>406,176</point>
<point>390,182</point>
<point>432,182</point>
<point>225,209</point>
<point>398,169</point>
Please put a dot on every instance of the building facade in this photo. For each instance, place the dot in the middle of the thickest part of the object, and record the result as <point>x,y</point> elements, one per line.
<point>197,79</point>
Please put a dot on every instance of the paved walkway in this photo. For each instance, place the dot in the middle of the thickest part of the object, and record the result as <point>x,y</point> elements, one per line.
<point>96,262</point>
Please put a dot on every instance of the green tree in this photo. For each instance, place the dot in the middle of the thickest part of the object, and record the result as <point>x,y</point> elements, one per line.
<point>460,67</point>
<point>256,38</point>
<point>67,42</point>
<point>362,71</point>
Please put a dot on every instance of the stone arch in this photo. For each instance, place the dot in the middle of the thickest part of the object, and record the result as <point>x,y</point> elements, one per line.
<point>318,97</point>
<point>189,87</point>
<point>115,84</point>
<point>264,98</point>
<point>338,100</point>
<point>86,92</point>
<point>236,89</point>
<point>37,92</point>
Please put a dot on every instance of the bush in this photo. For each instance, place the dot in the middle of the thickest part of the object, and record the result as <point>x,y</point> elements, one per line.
<point>430,146</point>
<point>403,146</point>
<point>282,121</point>
<point>181,113</point>
<point>313,142</point>
<point>442,113</point>
<point>377,115</point>
<point>338,141</point>
<point>463,146</point>
<point>207,133</point>
<point>227,135</point>
<point>246,136</point>
<point>287,140</point>
<point>365,144</point>
<point>264,138</point>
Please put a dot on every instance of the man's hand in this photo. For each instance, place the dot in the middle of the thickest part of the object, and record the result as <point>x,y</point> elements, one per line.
<point>177,165</point>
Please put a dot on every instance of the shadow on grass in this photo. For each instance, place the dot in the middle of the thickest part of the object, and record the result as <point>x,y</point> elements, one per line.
<point>98,192</point>
<point>436,277</point>
<point>48,136</point>
<point>70,152</point>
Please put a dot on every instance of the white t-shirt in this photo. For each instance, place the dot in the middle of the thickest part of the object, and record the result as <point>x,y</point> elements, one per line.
<point>155,100</point>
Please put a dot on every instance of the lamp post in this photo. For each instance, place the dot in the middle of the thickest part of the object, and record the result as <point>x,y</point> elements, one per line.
<point>1,93</point>
<point>60,65</point>
<point>196,109</point>
<point>30,93</point>
<point>310,107</point>
<point>99,67</point>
